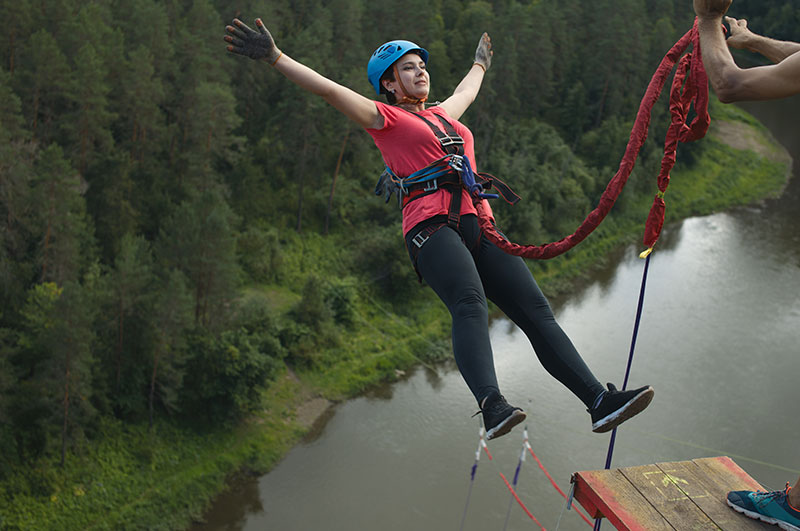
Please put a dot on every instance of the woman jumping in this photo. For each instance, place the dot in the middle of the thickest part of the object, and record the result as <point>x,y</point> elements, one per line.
<point>440,222</point>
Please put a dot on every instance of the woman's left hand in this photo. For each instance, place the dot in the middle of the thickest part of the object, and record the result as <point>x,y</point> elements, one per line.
<point>483,55</point>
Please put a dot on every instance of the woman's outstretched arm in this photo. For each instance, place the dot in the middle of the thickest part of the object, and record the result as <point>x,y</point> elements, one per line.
<point>259,45</point>
<point>467,90</point>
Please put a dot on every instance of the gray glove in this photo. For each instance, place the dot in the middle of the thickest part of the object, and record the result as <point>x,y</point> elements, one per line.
<point>250,43</point>
<point>483,55</point>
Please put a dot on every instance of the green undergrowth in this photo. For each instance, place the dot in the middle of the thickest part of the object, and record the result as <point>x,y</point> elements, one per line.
<point>134,478</point>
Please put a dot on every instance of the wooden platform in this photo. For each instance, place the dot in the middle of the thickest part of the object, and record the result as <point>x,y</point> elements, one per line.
<point>670,496</point>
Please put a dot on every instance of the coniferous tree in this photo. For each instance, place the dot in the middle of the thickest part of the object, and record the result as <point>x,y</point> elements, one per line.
<point>89,126</point>
<point>132,283</point>
<point>55,360</point>
<point>18,210</point>
<point>199,240</point>
<point>45,84</point>
<point>170,319</point>
<point>20,12</point>
<point>67,242</point>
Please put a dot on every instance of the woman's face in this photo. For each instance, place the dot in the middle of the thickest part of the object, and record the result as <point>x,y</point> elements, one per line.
<point>411,77</point>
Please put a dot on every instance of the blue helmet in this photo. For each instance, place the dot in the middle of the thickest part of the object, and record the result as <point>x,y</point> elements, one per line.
<point>385,56</point>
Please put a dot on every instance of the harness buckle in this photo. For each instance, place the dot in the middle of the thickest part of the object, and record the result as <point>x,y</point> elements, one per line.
<point>457,162</point>
<point>420,239</point>
<point>447,140</point>
<point>431,186</point>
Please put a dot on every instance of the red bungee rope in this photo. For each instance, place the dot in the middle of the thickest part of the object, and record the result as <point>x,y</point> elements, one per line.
<point>682,95</point>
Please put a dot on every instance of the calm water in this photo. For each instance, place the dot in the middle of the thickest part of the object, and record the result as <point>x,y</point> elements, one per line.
<point>718,341</point>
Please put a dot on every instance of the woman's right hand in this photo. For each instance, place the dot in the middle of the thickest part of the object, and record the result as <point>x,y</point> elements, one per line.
<point>740,37</point>
<point>250,43</point>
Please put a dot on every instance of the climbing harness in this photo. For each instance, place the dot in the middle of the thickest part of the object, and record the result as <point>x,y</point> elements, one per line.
<point>452,171</point>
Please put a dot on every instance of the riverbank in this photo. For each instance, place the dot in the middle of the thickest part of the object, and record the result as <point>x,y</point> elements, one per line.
<point>163,479</point>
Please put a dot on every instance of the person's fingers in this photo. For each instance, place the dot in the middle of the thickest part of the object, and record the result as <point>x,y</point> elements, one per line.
<point>261,27</point>
<point>242,26</point>
<point>238,50</point>
<point>235,32</point>
<point>233,40</point>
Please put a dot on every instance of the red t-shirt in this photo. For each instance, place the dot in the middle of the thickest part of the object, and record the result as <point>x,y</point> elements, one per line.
<point>407,145</point>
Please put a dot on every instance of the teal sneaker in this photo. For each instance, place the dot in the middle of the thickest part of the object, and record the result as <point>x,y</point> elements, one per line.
<point>771,507</point>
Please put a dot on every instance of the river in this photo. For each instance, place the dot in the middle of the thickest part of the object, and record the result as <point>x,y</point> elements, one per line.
<point>718,341</point>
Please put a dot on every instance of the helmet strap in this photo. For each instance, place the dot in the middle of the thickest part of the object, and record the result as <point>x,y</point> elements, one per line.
<point>406,98</point>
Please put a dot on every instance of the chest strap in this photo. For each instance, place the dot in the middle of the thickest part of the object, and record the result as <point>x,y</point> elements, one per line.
<point>451,172</point>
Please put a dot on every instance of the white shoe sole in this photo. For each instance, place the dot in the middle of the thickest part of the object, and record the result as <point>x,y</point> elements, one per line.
<point>758,516</point>
<point>632,407</point>
<point>504,427</point>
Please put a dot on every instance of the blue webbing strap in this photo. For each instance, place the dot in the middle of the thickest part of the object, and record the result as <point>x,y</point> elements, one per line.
<point>598,521</point>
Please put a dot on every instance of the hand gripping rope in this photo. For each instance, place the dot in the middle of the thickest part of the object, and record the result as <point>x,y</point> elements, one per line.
<point>690,85</point>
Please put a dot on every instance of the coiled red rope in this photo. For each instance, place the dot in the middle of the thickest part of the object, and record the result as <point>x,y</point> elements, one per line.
<point>690,85</point>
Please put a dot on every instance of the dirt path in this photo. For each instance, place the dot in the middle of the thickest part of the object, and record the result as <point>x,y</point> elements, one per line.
<point>740,135</point>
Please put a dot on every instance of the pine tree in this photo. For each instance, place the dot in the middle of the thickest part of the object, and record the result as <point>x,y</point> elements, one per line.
<point>56,363</point>
<point>18,11</point>
<point>199,240</point>
<point>67,242</point>
<point>89,125</point>
<point>132,281</point>
<point>45,85</point>
<point>170,318</point>
<point>18,212</point>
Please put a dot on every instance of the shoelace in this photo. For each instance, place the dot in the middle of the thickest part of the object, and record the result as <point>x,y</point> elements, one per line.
<point>762,497</point>
<point>498,403</point>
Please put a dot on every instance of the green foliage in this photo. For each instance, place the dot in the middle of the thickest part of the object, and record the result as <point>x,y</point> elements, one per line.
<point>260,254</point>
<point>225,376</point>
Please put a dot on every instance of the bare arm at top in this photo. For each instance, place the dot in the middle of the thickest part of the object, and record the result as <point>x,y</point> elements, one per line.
<point>730,82</point>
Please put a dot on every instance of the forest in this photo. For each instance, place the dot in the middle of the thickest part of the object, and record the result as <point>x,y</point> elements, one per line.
<point>180,226</point>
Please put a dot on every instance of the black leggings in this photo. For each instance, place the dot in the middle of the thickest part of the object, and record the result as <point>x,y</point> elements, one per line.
<point>464,272</point>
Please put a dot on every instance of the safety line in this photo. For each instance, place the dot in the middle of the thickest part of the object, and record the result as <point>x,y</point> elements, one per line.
<point>481,446</point>
<point>636,323</point>
<point>555,485</point>
<point>513,493</point>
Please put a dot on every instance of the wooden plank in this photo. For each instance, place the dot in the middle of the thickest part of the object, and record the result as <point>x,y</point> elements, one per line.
<point>665,491</point>
<point>733,476</point>
<point>709,490</point>
<point>610,492</point>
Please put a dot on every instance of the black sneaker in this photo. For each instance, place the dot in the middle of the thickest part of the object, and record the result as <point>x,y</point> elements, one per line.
<point>498,416</point>
<point>618,406</point>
